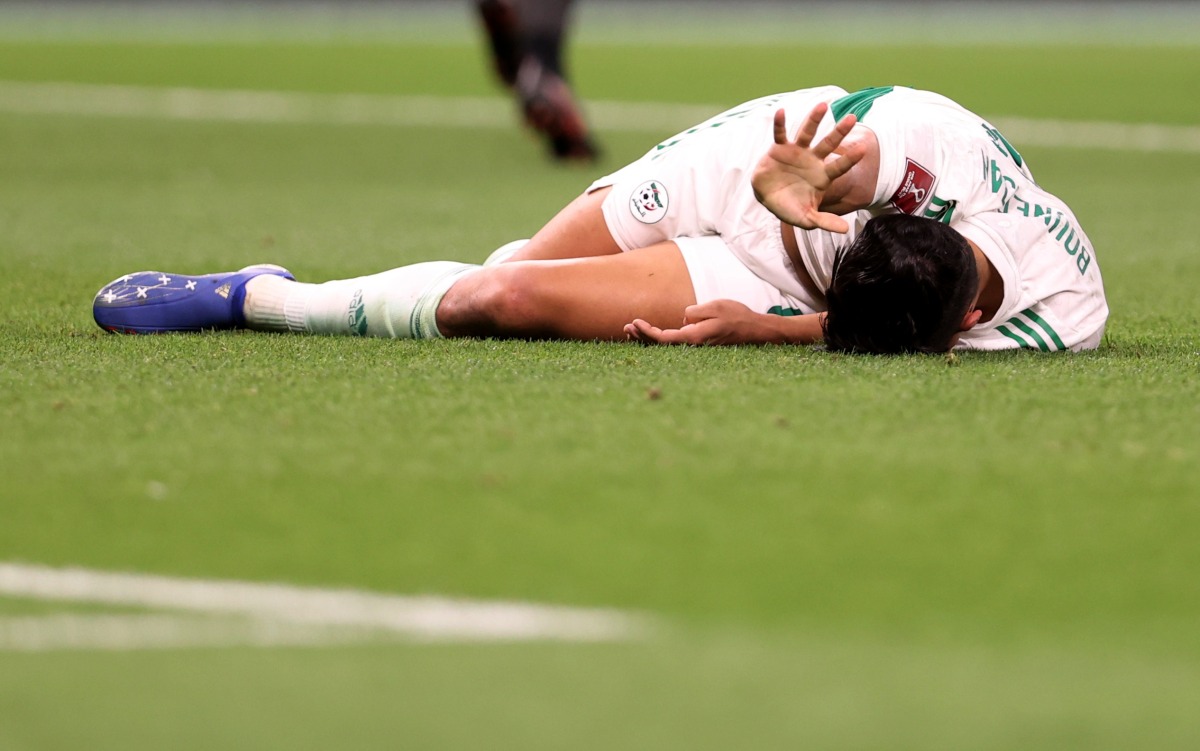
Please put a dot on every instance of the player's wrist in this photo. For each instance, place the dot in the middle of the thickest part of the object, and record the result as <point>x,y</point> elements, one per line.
<point>802,329</point>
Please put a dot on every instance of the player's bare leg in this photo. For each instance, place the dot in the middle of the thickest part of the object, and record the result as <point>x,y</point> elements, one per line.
<point>579,298</point>
<point>577,231</point>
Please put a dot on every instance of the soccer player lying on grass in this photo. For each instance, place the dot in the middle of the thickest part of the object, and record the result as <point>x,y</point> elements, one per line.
<point>889,220</point>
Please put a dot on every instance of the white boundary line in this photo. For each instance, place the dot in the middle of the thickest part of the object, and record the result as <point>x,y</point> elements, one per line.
<point>663,119</point>
<point>1066,134</point>
<point>119,632</point>
<point>275,614</point>
<point>273,107</point>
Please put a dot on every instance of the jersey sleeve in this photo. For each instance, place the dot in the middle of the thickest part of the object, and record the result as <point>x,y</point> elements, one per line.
<point>929,152</point>
<point>1050,303</point>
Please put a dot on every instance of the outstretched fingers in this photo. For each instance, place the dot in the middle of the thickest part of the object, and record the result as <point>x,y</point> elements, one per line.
<point>844,163</point>
<point>780,127</point>
<point>834,138</point>
<point>793,177</point>
<point>808,131</point>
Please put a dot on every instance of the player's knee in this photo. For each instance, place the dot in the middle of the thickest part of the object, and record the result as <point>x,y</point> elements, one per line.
<point>516,299</point>
<point>502,300</point>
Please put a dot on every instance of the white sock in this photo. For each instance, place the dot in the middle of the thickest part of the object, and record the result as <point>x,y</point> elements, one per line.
<point>400,303</point>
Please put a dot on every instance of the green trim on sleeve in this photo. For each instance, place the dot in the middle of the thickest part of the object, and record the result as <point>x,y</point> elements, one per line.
<point>1020,342</point>
<point>779,310</point>
<point>1028,313</point>
<point>1041,343</point>
<point>859,103</point>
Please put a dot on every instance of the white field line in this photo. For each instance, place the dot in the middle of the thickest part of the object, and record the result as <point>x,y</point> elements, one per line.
<point>663,119</point>
<point>331,109</point>
<point>281,614</point>
<point>1100,135</point>
<point>119,632</point>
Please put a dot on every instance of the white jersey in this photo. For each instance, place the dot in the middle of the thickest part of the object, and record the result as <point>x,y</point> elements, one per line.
<point>937,160</point>
<point>940,161</point>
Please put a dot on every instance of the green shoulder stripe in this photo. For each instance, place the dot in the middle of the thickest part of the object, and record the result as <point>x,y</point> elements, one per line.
<point>1020,342</point>
<point>1041,343</point>
<point>1028,313</point>
<point>859,103</point>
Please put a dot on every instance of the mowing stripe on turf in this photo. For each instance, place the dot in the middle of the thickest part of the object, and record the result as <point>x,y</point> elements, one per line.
<point>493,112</point>
<point>284,614</point>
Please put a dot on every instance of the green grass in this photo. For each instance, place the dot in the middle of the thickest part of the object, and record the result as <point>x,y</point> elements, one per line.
<point>1044,80</point>
<point>992,552</point>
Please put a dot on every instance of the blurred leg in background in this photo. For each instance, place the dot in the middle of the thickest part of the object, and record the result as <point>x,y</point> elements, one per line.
<point>526,39</point>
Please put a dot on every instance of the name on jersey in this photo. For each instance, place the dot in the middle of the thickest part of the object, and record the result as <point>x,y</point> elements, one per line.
<point>914,188</point>
<point>1057,223</point>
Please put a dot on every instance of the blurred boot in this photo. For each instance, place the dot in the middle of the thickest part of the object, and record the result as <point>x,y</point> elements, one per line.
<point>551,109</point>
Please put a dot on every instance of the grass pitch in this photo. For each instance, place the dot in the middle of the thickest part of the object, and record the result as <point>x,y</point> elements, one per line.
<point>994,551</point>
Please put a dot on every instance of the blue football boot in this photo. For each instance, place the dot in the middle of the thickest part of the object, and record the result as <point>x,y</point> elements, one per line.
<point>150,302</point>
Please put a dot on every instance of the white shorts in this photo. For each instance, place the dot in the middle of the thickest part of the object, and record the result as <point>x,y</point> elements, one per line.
<point>717,274</point>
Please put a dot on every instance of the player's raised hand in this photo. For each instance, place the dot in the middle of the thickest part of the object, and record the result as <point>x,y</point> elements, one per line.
<point>792,177</point>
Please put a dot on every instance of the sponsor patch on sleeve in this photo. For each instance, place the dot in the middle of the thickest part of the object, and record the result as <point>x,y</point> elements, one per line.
<point>649,202</point>
<point>914,188</point>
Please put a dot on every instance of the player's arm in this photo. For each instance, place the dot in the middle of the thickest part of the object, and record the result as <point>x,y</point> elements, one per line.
<point>730,322</point>
<point>809,186</point>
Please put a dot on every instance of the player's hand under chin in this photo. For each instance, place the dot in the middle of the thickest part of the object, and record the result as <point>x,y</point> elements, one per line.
<point>716,322</point>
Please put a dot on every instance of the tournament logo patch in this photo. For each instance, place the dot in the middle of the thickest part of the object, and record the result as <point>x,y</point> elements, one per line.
<point>914,188</point>
<point>649,202</point>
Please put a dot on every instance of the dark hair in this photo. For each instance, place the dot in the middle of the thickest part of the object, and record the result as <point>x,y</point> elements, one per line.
<point>903,285</point>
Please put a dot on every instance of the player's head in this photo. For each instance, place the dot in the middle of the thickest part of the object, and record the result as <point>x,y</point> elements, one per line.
<point>904,285</point>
